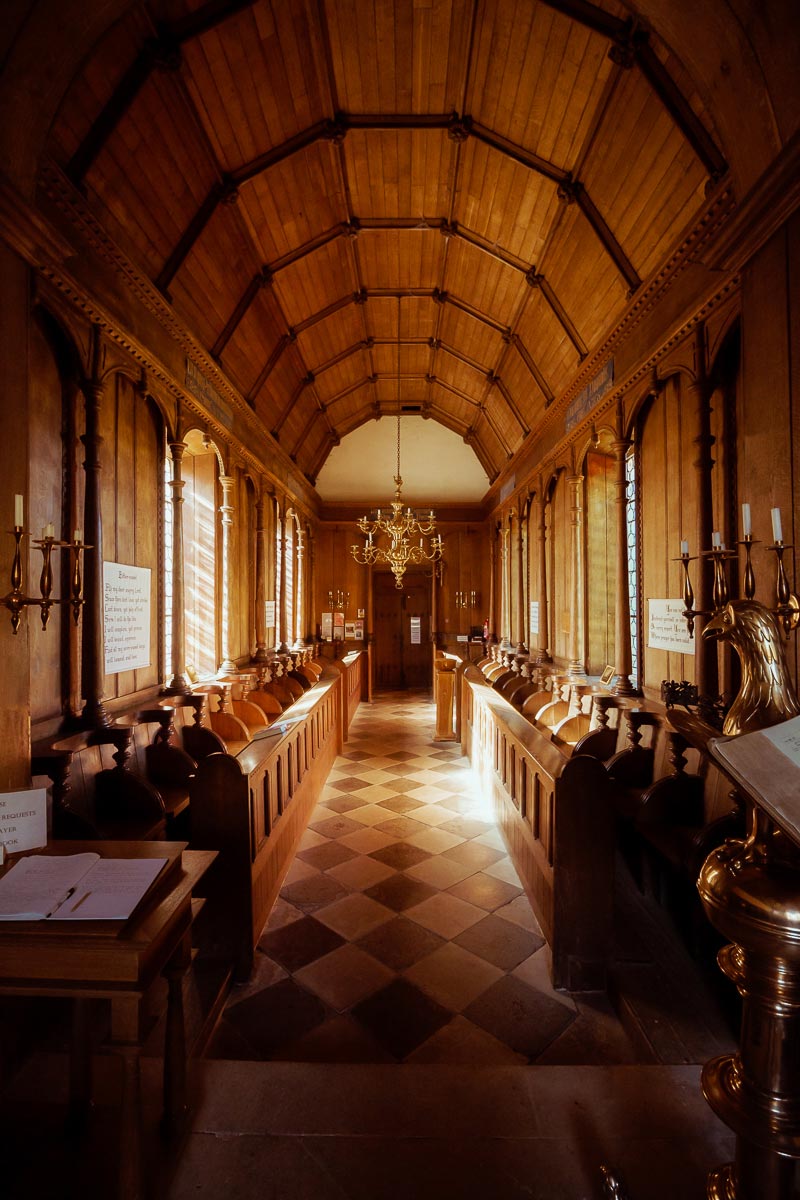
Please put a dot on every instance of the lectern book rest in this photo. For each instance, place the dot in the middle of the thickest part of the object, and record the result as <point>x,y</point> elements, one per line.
<point>76,887</point>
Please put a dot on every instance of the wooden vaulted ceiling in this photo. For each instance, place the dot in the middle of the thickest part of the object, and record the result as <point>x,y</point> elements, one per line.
<point>456,198</point>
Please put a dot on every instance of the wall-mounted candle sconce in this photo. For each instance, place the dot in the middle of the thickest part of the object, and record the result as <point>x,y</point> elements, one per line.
<point>16,600</point>
<point>466,599</point>
<point>787,608</point>
<point>338,599</point>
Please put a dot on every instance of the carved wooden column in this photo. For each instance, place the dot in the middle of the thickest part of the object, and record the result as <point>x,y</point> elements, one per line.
<point>261,655</point>
<point>520,630</point>
<point>92,657</point>
<point>705,652</point>
<point>577,669</point>
<point>543,653</point>
<point>179,682</point>
<point>282,518</point>
<point>622,628</point>
<point>505,590</point>
<point>299,584</point>
<point>311,561</point>
<point>226,513</point>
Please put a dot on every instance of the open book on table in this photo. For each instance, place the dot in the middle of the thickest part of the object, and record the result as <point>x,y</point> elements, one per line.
<point>75,887</point>
<point>767,766</point>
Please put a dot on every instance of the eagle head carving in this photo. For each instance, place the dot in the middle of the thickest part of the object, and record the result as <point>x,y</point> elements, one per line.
<point>766,696</point>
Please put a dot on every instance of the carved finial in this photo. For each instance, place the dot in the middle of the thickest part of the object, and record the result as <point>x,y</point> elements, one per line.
<point>229,193</point>
<point>164,52</point>
<point>265,277</point>
<point>448,229</point>
<point>361,297</point>
<point>459,128</point>
<point>439,296</point>
<point>336,130</point>
<point>532,277</point>
<point>351,228</point>
<point>568,191</point>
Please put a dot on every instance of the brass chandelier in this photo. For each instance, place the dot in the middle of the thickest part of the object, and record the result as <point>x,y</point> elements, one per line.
<point>401,528</point>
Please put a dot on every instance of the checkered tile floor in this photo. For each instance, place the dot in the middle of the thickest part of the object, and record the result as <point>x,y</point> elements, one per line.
<point>402,933</point>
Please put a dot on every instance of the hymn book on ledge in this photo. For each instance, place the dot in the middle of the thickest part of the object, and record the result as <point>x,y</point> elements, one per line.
<point>766,764</point>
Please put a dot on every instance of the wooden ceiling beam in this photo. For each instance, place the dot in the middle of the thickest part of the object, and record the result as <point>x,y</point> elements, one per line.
<point>296,393</point>
<point>484,413</point>
<point>329,310</point>
<point>589,15</point>
<point>535,280</point>
<point>222,190</point>
<point>261,280</point>
<point>464,358</point>
<point>541,382</point>
<point>318,412</point>
<point>574,192</point>
<point>320,131</point>
<point>305,248</point>
<point>519,154</point>
<point>632,45</point>
<point>448,387</point>
<point>162,51</point>
<point>447,298</point>
<point>282,343</point>
<point>348,391</point>
<point>343,355</point>
<point>481,453</point>
<point>680,110</point>
<point>496,382</point>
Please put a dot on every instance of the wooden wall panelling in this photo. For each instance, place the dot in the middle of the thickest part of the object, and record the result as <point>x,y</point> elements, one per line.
<point>559,568</point>
<point>47,462</point>
<point>600,540</point>
<point>666,516</point>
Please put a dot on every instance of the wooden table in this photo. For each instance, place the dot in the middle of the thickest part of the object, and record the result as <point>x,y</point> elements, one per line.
<point>117,961</point>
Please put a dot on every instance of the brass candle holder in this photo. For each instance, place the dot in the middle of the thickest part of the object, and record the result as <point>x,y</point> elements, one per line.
<point>787,608</point>
<point>16,600</point>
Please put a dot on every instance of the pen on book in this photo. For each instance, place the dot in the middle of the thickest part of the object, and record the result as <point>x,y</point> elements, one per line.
<point>80,902</point>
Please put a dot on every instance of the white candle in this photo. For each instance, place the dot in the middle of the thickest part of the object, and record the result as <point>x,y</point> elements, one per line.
<point>44,532</point>
<point>684,547</point>
<point>715,540</point>
<point>18,510</point>
<point>777,531</point>
<point>50,529</point>
<point>746,526</point>
<point>78,536</point>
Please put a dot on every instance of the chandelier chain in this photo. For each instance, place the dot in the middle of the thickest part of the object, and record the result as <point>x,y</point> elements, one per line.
<point>401,526</point>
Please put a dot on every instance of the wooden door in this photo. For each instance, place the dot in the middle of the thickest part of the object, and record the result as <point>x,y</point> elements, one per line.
<point>402,631</point>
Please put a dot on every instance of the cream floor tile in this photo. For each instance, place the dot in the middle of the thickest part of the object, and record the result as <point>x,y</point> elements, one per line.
<point>375,792</point>
<point>519,911</point>
<point>493,838</point>
<point>440,872</point>
<point>381,776</point>
<point>453,976</point>
<point>365,840</point>
<point>371,814</point>
<point>361,873</point>
<point>311,839</point>
<point>429,793</point>
<point>424,775</point>
<point>446,915</point>
<point>504,869</point>
<point>354,915</point>
<point>431,815</point>
<point>435,840</point>
<point>297,871</point>
<point>344,977</point>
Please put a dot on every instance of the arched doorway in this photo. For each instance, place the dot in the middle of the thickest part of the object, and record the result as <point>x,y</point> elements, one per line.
<point>402,619</point>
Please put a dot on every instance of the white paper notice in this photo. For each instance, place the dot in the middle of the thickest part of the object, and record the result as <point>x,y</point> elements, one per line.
<point>23,819</point>
<point>416,631</point>
<point>666,628</point>
<point>534,617</point>
<point>126,617</point>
